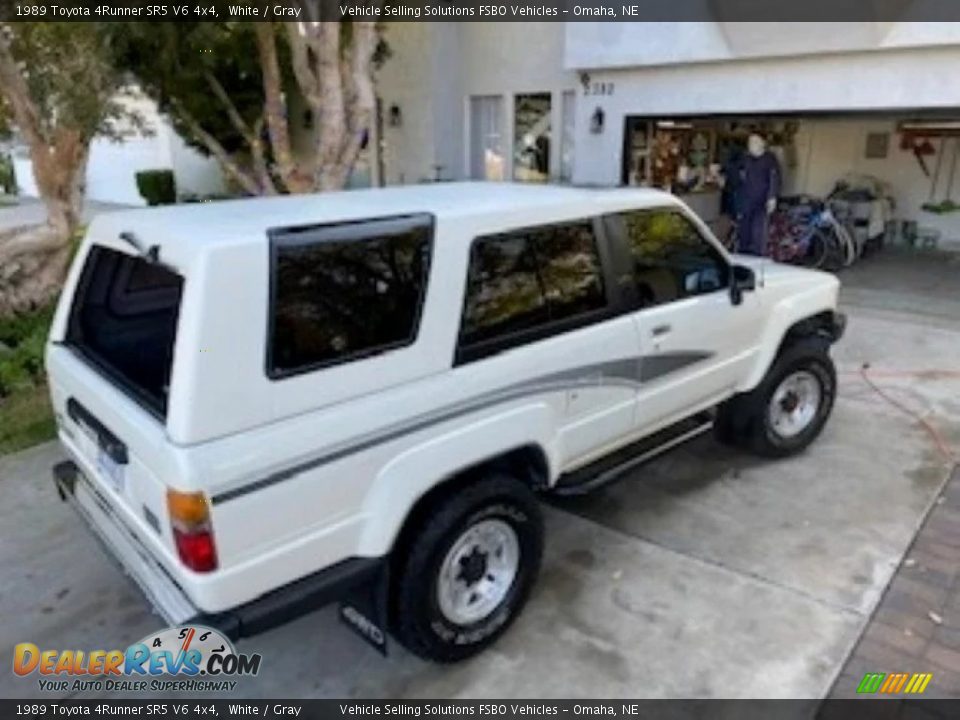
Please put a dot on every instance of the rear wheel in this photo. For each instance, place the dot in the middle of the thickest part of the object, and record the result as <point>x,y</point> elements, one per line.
<point>469,569</point>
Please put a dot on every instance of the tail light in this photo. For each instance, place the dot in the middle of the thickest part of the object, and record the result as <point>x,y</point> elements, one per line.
<point>192,532</point>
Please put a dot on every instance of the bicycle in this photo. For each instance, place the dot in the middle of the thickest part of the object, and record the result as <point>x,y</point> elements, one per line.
<point>804,231</point>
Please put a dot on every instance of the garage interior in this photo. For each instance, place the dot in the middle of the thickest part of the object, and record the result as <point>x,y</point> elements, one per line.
<point>906,165</point>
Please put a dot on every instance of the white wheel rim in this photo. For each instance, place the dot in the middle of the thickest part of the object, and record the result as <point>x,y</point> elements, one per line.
<point>795,404</point>
<point>478,572</point>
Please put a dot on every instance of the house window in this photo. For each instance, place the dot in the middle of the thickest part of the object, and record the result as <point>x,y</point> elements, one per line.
<point>531,146</point>
<point>486,138</point>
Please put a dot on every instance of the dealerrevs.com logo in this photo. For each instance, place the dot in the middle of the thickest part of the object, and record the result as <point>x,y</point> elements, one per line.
<point>187,658</point>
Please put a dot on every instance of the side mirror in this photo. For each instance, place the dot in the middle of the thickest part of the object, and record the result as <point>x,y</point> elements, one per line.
<point>742,279</point>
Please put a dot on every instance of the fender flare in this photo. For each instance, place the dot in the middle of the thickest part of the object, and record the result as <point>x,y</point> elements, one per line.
<point>784,318</point>
<point>409,476</point>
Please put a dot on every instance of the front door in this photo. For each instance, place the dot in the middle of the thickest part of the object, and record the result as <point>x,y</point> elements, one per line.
<point>542,293</point>
<point>695,343</point>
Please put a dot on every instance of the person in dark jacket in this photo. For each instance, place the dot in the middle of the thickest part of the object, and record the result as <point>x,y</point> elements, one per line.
<point>758,189</point>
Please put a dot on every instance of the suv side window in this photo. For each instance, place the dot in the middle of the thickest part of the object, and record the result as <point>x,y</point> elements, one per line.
<point>529,284</point>
<point>671,260</point>
<point>345,292</point>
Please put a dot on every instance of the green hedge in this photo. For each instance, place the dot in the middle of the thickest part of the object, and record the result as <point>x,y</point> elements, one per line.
<point>8,178</point>
<point>22,339</point>
<point>157,187</point>
<point>26,417</point>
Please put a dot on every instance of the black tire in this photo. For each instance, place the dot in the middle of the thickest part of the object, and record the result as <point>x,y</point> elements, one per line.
<point>810,356</point>
<point>834,256</point>
<point>817,251</point>
<point>419,622</point>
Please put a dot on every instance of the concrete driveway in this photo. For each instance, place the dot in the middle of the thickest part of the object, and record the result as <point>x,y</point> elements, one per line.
<point>706,573</point>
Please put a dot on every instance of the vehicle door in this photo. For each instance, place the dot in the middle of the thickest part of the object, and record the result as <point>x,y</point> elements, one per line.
<point>542,315</point>
<point>695,340</point>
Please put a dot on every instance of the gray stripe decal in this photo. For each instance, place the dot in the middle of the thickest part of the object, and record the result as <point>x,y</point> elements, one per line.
<point>626,372</point>
<point>655,366</point>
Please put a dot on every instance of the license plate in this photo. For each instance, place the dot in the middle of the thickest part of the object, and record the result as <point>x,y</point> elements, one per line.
<point>110,470</point>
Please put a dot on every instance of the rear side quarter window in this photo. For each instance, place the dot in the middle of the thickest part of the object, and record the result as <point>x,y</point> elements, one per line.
<point>345,292</point>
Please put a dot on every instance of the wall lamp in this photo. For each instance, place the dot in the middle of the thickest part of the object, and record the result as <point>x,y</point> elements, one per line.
<point>395,116</point>
<point>596,121</point>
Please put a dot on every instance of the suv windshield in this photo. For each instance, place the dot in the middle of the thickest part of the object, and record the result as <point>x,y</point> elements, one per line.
<point>124,320</point>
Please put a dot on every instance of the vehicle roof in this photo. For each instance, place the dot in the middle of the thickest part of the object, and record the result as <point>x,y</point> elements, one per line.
<point>186,229</point>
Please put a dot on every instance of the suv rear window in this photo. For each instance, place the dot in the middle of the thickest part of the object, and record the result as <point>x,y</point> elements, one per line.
<point>124,320</point>
<point>345,292</point>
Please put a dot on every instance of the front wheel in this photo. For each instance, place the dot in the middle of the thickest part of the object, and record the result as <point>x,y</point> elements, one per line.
<point>469,569</point>
<point>790,407</point>
<point>793,403</point>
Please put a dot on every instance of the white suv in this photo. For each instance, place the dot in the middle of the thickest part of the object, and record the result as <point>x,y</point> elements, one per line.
<point>271,404</point>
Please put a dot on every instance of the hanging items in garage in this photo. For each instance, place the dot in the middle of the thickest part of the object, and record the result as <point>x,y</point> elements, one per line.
<point>921,138</point>
<point>921,148</point>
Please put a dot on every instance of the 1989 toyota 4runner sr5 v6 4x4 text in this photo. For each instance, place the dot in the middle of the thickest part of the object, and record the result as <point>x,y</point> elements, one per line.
<point>271,404</point>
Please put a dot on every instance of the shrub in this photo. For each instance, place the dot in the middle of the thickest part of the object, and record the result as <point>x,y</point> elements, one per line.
<point>22,340</point>
<point>26,417</point>
<point>8,178</point>
<point>157,187</point>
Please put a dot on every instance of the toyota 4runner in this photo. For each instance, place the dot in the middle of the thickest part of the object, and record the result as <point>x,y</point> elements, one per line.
<point>272,404</point>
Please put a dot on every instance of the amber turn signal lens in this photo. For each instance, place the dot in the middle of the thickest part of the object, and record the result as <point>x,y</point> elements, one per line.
<point>187,508</point>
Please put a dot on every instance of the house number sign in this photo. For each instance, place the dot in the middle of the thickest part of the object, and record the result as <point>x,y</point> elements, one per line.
<point>598,88</point>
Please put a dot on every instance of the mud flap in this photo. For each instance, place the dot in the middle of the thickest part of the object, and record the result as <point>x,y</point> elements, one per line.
<point>65,478</point>
<point>364,609</point>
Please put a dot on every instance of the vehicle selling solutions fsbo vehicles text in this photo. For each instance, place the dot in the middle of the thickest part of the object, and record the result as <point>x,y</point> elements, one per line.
<point>489,709</point>
<point>396,11</point>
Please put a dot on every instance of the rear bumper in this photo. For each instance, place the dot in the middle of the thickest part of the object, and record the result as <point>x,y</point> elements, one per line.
<point>338,582</point>
<point>122,545</point>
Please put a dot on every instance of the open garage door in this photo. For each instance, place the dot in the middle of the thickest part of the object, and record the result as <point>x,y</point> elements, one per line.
<point>892,181</point>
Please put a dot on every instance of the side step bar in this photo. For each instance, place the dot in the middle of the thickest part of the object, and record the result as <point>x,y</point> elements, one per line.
<point>612,467</point>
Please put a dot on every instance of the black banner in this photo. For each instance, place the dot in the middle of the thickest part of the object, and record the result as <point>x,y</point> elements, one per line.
<point>496,709</point>
<point>481,10</point>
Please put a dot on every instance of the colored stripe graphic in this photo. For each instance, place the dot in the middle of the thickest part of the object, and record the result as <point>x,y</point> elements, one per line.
<point>894,683</point>
<point>870,683</point>
<point>918,683</point>
<point>913,683</point>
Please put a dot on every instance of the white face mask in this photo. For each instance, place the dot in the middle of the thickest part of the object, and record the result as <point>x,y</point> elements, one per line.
<point>756,145</point>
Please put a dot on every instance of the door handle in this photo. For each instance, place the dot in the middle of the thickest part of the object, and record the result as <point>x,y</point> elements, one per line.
<point>661,330</point>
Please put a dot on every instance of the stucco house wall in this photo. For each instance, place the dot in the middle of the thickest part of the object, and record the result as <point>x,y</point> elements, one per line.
<point>434,70</point>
